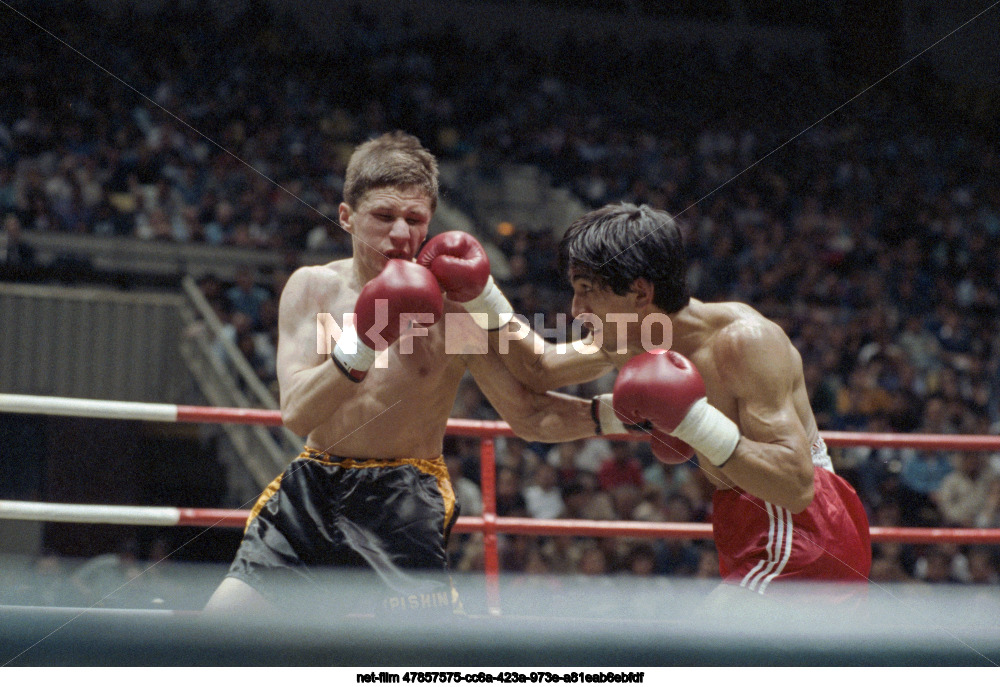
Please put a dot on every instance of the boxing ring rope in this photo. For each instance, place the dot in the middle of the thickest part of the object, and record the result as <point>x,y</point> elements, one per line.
<point>489,525</point>
<point>166,516</point>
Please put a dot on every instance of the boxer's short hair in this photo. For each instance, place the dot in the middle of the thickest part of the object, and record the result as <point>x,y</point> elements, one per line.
<point>619,243</point>
<point>393,160</point>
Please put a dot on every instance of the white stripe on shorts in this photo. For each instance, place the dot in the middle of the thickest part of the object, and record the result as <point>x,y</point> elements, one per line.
<point>779,549</point>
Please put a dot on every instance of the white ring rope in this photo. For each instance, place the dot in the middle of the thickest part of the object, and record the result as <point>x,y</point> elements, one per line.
<point>81,407</point>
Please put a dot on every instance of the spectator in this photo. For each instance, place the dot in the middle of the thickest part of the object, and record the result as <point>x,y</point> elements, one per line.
<point>543,498</point>
<point>514,454</point>
<point>708,563</point>
<point>961,496</point>
<point>935,566</point>
<point>14,250</point>
<point>920,477</point>
<point>563,458</point>
<point>640,560</point>
<point>983,567</point>
<point>246,296</point>
<point>467,492</point>
<point>887,565</point>
<point>989,515</point>
<point>510,502</point>
<point>583,502</point>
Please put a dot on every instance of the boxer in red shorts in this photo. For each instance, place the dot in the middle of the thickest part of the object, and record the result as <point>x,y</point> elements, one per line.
<point>759,543</point>
<point>730,389</point>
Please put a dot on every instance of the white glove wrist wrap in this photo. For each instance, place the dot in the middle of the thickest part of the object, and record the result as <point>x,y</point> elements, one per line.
<point>351,353</point>
<point>490,309</point>
<point>610,423</point>
<point>709,432</point>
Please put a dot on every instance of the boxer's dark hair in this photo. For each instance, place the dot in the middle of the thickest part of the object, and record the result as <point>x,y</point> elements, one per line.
<point>393,160</point>
<point>620,243</point>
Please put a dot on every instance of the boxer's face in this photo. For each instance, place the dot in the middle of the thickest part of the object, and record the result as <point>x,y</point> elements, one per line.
<point>612,319</point>
<point>387,223</point>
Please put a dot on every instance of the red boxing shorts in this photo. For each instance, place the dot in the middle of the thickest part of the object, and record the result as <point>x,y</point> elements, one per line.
<point>759,543</point>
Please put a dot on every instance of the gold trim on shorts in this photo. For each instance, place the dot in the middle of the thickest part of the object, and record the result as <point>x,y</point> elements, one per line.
<point>430,466</point>
<point>265,496</point>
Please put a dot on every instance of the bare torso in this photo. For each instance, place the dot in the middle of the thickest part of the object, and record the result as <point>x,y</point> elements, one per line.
<point>402,407</point>
<point>697,334</point>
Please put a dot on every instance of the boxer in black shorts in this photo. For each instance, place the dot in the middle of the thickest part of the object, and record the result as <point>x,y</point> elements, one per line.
<point>371,490</point>
<point>328,511</point>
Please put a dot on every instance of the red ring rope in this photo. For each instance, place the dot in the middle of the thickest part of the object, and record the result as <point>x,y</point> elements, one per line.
<point>489,524</point>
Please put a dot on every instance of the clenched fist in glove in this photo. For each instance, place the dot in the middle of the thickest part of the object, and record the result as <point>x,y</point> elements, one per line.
<point>664,389</point>
<point>462,269</point>
<point>666,449</point>
<point>403,292</point>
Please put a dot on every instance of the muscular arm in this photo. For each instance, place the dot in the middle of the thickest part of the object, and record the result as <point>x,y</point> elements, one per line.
<point>311,386</point>
<point>541,365</point>
<point>551,417</point>
<point>772,459</point>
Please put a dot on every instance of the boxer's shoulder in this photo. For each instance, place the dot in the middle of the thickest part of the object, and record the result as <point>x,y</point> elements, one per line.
<point>317,281</point>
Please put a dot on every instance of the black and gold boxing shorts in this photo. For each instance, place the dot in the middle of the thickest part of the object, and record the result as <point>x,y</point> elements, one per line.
<point>325,517</point>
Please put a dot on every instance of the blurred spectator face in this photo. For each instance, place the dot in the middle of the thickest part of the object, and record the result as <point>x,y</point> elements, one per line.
<point>242,323</point>
<point>621,451</point>
<point>224,213</point>
<point>642,561</point>
<point>12,227</point>
<point>971,463</point>
<point>626,498</point>
<point>938,567</point>
<point>567,454</point>
<point>678,509</point>
<point>245,279</point>
<point>507,483</point>
<point>246,345</point>
<point>592,562</point>
<point>536,564</point>
<point>575,497</point>
<point>545,476</point>
<point>708,565</point>
<point>886,570</point>
<point>981,568</point>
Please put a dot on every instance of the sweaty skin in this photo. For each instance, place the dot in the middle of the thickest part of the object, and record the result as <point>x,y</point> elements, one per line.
<point>752,374</point>
<point>402,407</point>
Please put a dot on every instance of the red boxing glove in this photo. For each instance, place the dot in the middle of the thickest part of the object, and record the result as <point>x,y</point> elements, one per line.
<point>664,388</point>
<point>666,449</point>
<point>402,293</point>
<point>462,268</point>
<point>459,263</point>
<point>669,450</point>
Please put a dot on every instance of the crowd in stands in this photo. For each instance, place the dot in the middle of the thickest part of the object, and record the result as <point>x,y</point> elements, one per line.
<point>871,237</point>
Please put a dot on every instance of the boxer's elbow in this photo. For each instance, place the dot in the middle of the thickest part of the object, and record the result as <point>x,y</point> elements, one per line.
<point>802,501</point>
<point>295,422</point>
<point>524,426</point>
<point>295,417</point>
<point>534,422</point>
<point>801,490</point>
